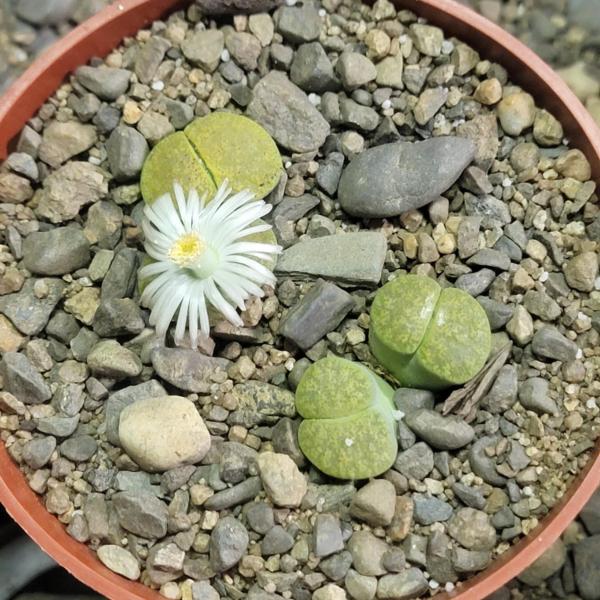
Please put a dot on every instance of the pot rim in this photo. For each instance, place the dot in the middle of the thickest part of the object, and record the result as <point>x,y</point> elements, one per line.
<point>102,33</point>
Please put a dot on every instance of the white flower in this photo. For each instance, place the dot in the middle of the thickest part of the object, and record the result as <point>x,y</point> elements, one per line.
<point>202,258</point>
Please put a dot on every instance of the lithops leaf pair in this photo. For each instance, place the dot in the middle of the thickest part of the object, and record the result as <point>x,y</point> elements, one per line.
<point>349,427</point>
<point>221,146</point>
<point>426,336</point>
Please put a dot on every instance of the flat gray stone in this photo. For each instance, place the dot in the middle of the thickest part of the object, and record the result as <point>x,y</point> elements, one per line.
<point>533,395</point>
<point>390,179</point>
<point>327,257</point>
<point>416,462</point>
<point>285,111</point>
<point>312,70</point>
<point>548,342</point>
<point>187,369</point>
<point>320,311</point>
<point>298,24</point>
<point>228,543</point>
<point>234,496</point>
<point>141,513</point>
<point>127,150</point>
<point>411,583</point>
<point>443,433</point>
<point>327,535</point>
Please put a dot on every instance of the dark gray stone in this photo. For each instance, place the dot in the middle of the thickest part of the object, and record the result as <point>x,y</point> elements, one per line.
<point>228,543</point>
<point>234,496</point>
<point>327,535</point>
<point>312,70</point>
<point>498,313</point>
<point>127,150</point>
<point>548,342</point>
<point>482,464</point>
<point>488,257</point>
<point>298,24</point>
<point>409,400</point>
<point>121,277</point>
<point>118,316</point>
<point>390,179</point>
<point>587,574</point>
<point>330,171</point>
<point>37,452</point>
<point>21,379</point>
<point>493,211</point>
<point>533,395</point>
<point>503,393</point>
<point>320,311</point>
<point>443,433</point>
<point>149,57</point>
<point>429,509</point>
<point>276,541</point>
<point>56,252</point>
<point>470,496</point>
<point>259,516</point>
<point>58,426</point>
<point>79,449</point>
<point>416,462</point>
<point>476,283</point>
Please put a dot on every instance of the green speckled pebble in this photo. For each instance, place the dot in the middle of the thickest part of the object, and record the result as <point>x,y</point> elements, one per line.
<point>426,336</point>
<point>349,427</point>
<point>220,146</point>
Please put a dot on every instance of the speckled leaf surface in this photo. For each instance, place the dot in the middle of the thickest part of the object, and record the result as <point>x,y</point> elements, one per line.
<point>211,149</point>
<point>428,337</point>
<point>349,431</point>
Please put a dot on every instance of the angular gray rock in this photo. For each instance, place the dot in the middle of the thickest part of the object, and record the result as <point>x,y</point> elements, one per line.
<point>411,583</point>
<point>298,24</point>
<point>141,513</point>
<point>224,7</point>
<point>22,380</point>
<point>320,311</point>
<point>228,543</point>
<point>106,82</point>
<point>312,70</point>
<point>390,179</point>
<point>327,535</point>
<point>533,395</point>
<point>503,393</point>
<point>416,462</point>
<point>118,316</point>
<point>56,252</point>
<point>328,257</point>
<point>429,509</point>
<point>285,111</point>
<point>548,342</point>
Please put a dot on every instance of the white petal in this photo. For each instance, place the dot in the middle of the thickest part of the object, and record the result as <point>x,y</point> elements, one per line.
<point>216,299</point>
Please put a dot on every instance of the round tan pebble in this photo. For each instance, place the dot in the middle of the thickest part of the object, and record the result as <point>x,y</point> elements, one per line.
<point>163,433</point>
<point>284,483</point>
<point>489,92</point>
<point>516,113</point>
<point>132,113</point>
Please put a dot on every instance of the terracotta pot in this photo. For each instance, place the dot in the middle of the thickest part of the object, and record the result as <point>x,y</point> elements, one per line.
<point>101,34</point>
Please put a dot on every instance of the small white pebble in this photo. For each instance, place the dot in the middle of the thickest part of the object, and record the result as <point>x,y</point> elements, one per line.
<point>398,415</point>
<point>527,491</point>
<point>543,276</point>
<point>314,99</point>
<point>579,353</point>
<point>597,283</point>
<point>591,403</point>
<point>449,587</point>
<point>447,47</point>
<point>386,105</point>
<point>506,182</point>
<point>403,38</point>
<point>565,141</point>
<point>433,584</point>
<point>322,12</point>
<point>290,2</point>
<point>225,56</point>
<point>288,164</point>
<point>94,160</point>
<point>348,442</point>
<point>158,86</point>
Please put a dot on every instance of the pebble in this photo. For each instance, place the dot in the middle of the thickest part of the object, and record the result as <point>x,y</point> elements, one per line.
<point>120,561</point>
<point>503,393</point>
<point>327,537</point>
<point>489,92</point>
<point>127,150</point>
<point>516,113</point>
<point>109,359</point>
<point>285,111</point>
<point>548,342</point>
<point>276,541</point>
<point>118,316</point>
<point>411,583</point>
<point>284,483</point>
<point>574,164</point>
<point>581,271</point>
<point>163,433</point>
<point>442,433</point>
<point>367,553</point>
<point>427,39</point>
<point>320,311</point>
<point>22,380</point>
<point>106,82</point>
<point>355,70</point>
<point>429,509</point>
<point>79,449</point>
<point>62,141</point>
<point>375,503</point>
<point>298,24</point>
<point>37,452</point>
<point>472,529</point>
<point>56,252</point>
<point>544,567</point>
<point>371,187</point>
<point>149,57</point>
<point>416,462</point>
<point>585,562</point>
<point>204,48</point>
<point>228,543</point>
<point>390,71</point>
<point>141,513</point>
<point>533,395</point>
<point>312,71</point>
<point>58,426</point>
<point>14,189</point>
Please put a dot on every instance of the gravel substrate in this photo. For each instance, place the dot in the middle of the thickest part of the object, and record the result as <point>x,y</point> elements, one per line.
<point>518,232</point>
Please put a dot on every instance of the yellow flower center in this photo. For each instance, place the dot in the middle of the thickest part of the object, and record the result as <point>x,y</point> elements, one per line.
<point>187,250</point>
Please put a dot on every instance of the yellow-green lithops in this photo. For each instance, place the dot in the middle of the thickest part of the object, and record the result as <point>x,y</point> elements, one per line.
<point>426,336</point>
<point>349,426</point>
<point>209,150</point>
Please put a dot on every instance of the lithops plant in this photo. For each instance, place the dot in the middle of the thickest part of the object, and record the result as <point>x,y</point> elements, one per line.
<point>349,427</point>
<point>426,336</point>
<point>210,150</point>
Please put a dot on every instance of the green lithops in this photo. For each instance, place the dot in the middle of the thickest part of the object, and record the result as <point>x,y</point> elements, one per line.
<point>426,336</point>
<point>209,150</point>
<point>349,426</point>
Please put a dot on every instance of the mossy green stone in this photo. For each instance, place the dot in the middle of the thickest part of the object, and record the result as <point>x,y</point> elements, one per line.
<point>174,160</point>
<point>211,149</point>
<point>349,427</point>
<point>426,336</point>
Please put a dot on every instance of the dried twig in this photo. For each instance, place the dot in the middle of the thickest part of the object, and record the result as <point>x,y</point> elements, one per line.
<point>464,401</point>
